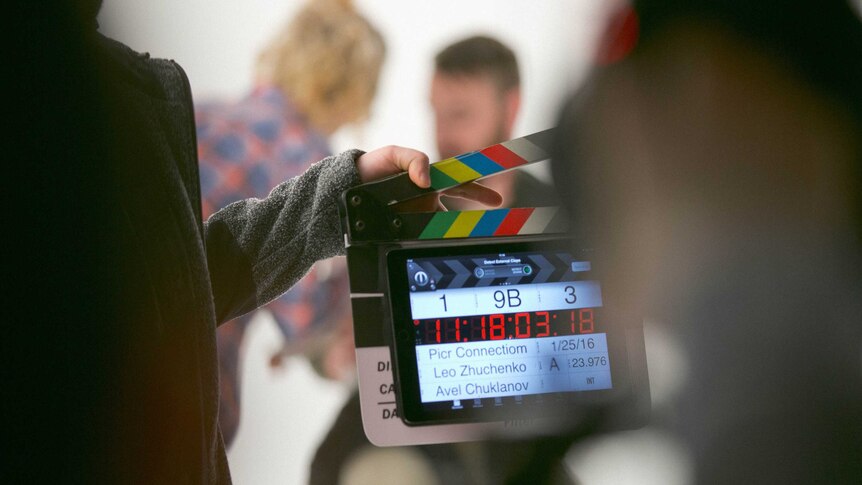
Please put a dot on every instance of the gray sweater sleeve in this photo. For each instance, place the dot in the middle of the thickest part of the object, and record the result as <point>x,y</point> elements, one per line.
<point>258,248</point>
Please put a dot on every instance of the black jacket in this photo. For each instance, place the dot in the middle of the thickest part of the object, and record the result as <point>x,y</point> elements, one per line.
<point>123,283</point>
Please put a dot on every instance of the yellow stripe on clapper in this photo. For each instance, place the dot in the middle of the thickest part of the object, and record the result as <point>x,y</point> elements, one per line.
<point>464,224</point>
<point>457,170</point>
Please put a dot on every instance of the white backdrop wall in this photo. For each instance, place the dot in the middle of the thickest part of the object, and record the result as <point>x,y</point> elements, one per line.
<point>216,41</point>
<point>286,413</point>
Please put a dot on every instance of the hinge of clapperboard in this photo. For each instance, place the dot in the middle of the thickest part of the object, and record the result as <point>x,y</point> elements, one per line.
<point>370,218</point>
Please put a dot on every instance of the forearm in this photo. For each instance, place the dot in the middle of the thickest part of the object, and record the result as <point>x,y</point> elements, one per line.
<point>258,248</point>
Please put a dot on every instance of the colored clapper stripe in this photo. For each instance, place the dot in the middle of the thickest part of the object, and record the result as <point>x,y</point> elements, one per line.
<point>513,222</point>
<point>503,156</point>
<point>525,149</point>
<point>489,223</point>
<point>463,225</point>
<point>440,180</point>
<point>480,163</point>
<point>456,170</point>
<point>497,222</point>
<point>438,225</point>
<point>538,220</point>
<point>494,159</point>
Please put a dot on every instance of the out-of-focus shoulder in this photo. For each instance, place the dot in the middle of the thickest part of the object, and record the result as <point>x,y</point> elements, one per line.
<point>160,78</point>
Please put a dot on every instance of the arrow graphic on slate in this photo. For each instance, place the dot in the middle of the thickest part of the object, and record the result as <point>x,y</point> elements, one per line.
<point>461,273</point>
<point>546,269</point>
<point>435,274</point>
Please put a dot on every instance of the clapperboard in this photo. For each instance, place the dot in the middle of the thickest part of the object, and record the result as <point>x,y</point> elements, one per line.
<point>502,281</point>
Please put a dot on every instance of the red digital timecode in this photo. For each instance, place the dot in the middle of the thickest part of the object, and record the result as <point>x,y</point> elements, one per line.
<point>500,326</point>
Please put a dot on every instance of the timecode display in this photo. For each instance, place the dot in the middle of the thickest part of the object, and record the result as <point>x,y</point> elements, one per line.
<point>503,326</point>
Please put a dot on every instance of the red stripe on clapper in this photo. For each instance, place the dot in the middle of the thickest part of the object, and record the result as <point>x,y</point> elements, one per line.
<point>503,156</point>
<point>513,222</point>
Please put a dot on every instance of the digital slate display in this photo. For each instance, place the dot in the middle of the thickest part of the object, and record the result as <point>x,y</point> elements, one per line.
<point>490,332</point>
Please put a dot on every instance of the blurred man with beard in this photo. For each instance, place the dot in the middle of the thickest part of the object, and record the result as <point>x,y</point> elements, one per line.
<point>476,99</point>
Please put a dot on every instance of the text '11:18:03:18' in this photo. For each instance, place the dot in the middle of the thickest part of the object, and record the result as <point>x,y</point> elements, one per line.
<point>501,326</point>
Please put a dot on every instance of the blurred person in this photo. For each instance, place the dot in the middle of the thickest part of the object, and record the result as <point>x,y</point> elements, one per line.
<point>114,381</point>
<point>476,97</point>
<point>318,74</point>
<point>719,166</point>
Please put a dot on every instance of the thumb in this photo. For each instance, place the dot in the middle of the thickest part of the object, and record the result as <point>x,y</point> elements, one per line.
<point>391,160</point>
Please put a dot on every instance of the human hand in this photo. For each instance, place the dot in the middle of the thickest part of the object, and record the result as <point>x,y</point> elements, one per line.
<point>391,160</point>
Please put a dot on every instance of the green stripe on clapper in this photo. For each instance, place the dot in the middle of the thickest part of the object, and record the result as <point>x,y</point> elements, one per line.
<point>439,224</point>
<point>440,180</point>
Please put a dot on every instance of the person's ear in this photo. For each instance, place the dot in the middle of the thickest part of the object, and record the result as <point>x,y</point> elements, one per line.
<point>511,106</point>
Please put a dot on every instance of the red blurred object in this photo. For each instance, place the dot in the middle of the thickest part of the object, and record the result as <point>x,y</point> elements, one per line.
<point>620,37</point>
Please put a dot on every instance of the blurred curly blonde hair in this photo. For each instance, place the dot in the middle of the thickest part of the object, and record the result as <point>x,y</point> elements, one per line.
<point>327,61</point>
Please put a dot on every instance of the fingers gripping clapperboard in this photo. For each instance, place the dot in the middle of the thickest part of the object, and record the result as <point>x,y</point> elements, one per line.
<point>480,323</point>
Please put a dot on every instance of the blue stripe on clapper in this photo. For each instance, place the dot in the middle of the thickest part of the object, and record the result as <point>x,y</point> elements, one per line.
<point>489,223</point>
<point>480,163</point>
